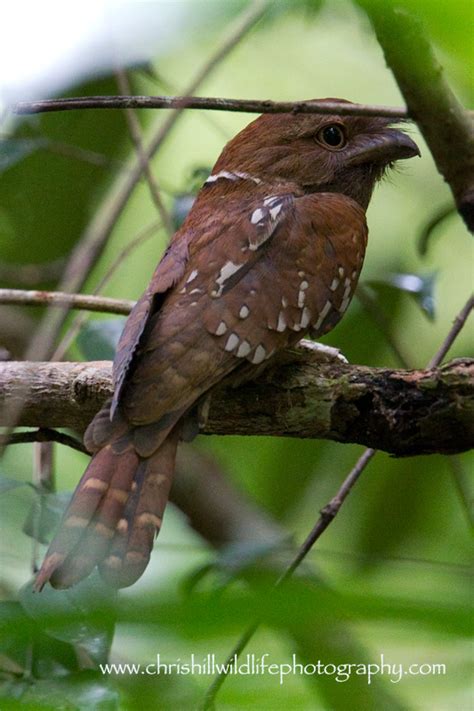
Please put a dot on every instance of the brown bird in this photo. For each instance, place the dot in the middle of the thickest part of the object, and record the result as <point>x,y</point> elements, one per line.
<point>271,250</point>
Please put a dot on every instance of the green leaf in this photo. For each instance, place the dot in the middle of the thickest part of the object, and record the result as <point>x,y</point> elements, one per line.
<point>75,605</point>
<point>98,339</point>
<point>84,691</point>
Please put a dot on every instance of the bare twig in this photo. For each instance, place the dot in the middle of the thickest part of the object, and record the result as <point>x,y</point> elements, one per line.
<point>20,297</point>
<point>94,239</point>
<point>327,516</point>
<point>456,328</point>
<point>43,481</point>
<point>254,106</point>
<point>46,434</point>
<point>380,318</point>
<point>80,319</point>
<point>461,486</point>
<point>136,136</point>
<point>328,513</point>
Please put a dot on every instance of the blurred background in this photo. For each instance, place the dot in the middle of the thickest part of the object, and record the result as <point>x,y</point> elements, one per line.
<point>391,575</point>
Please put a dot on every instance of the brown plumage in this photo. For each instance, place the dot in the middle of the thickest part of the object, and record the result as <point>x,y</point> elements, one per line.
<point>271,250</point>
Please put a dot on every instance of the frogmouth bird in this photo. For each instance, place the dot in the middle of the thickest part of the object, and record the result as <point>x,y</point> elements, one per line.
<point>270,251</point>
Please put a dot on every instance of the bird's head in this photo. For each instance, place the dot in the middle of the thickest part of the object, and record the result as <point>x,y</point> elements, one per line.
<point>320,153</point>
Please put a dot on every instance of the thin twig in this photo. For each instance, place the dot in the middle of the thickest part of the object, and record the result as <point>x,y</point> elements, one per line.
<point>46,434</point>
<point>93,242</point>
<point>460,484</point>
<point>251,106</point>
<point>328,513</point>
<point>379,316</point>
<point>456,328</point>
<point>43,481</point>
<point>80,319</point>
<point>136,136</point>
<point>21,297</point>
<point>96,236</point>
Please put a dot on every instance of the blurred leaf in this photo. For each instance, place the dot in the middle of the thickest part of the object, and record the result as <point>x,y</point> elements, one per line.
<point>83,691</point>
<point>98,339</point>
<point>44,515</point>
<point>50,656</point>
<point>75,604</point>
<point>48,197</point>
<point>6,484</point>
<point>420,287</point>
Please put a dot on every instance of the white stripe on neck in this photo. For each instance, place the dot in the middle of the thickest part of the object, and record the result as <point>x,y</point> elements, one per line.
<point>231,175</point>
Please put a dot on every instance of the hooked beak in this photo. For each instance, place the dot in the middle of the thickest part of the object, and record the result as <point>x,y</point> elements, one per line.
<point>385,147</point>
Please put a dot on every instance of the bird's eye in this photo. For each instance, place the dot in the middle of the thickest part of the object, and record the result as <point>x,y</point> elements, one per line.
<point>332,136</point>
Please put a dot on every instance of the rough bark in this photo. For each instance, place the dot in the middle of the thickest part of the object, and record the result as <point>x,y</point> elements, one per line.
<point>398,411</point>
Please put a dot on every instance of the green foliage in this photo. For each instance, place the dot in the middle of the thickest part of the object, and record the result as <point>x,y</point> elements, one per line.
<point>390,576</point>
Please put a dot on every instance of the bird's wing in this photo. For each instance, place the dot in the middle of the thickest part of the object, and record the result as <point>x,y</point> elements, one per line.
<point>260,274</point>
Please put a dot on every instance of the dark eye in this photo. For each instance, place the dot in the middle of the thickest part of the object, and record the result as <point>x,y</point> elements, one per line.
<point>332,136</point>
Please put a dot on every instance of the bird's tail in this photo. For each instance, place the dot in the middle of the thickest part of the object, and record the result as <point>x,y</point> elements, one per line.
<point>113,517</point>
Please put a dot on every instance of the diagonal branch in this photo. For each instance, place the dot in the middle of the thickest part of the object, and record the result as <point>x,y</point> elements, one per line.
<point>446,126</point>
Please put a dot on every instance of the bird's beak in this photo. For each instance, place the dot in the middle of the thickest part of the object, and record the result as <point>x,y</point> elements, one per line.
<point>383,148</point>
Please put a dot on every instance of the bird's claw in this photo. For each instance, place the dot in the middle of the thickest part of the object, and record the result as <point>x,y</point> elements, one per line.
<point>326,354</point>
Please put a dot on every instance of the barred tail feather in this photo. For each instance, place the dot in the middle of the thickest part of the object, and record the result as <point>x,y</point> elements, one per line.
<point>110,517</point>
<point>132,544</point>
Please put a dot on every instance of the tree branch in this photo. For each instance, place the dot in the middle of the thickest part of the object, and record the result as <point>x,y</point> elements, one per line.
<point>251,106</point>
<point>446,126</point>
<point>404,412</point>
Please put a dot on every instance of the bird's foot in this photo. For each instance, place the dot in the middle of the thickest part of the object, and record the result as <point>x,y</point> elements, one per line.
<point>326,354</point>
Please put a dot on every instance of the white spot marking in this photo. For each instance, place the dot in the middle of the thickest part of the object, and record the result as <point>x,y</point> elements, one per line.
<point>341,271</point>
<point>257,216</point>
<point>354,274</point>
<point>192,276</point>
<point>222,174</point>
<point>284,302</point>
<point>301,298</point>
<point>227,270</point>
<point>244,311</point>
<point>305,317</point>
<point>335,283</point>
<point>244,349</point>
<point>221,329</point>
<point>281,325</point>
<point>235,175</point>
<point>274,211</point>
<point>259,355</point>
<point>326,309</point>
<point>252,292</point>
<point>271,200</point>
<point>345,304</point>
<point>232,342</point>
<point>196,291</point>
<point>182,291</point>
<point>301,274</point>
<point>304,285</point>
